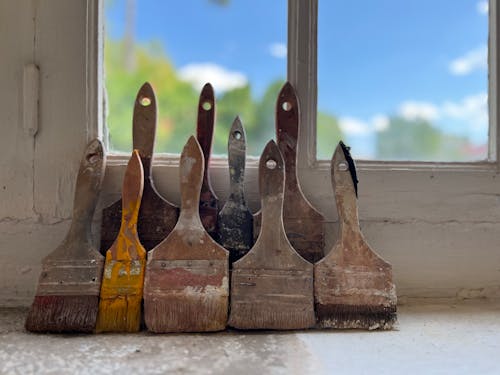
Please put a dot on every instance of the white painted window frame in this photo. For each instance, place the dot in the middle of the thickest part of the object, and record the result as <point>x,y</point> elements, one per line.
<point>302,72</point>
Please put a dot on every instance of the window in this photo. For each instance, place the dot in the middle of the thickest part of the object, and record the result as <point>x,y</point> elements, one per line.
<point>419,94</point>
<point>178,47</point>
<point>404,80</point>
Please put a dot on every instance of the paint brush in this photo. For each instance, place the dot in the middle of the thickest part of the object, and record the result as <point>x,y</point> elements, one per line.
<point>123,280</point>
<point>187,275</point>
<point>304,224</point>
<point>67,296</point>
<point>235,221</point>
<point>157,216</point>
<point>353,285</point>
<point>209,203</point>
<point>272,285</point>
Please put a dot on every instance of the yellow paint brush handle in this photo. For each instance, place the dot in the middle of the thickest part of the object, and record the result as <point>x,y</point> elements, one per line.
<point>132,190</point>
<point>121,290</point>
<point>127,245</point>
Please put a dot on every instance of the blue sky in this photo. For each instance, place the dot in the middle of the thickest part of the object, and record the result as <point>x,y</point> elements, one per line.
<point>415,58</point>
<point>236,37</point>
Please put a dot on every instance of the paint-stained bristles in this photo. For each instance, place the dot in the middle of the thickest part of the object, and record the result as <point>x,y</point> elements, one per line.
<point>196,313</point>
<point>120,314</point>
<point>121,296</point>
<point>63,314</point>
<point>67,295</point>
<point>269,316</point>
<point>356,317</point>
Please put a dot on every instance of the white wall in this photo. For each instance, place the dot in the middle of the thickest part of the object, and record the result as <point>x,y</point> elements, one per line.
<point>37,172</point>
<point>439,227</point>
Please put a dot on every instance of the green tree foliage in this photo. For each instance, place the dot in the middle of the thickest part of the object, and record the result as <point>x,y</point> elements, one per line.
<point>178,102</point>
<point>328,135</point>
<point>418,140</point>
<point>128,65</point>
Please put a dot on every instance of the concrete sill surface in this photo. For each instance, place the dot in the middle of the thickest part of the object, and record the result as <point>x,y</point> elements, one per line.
<point>432,338</point>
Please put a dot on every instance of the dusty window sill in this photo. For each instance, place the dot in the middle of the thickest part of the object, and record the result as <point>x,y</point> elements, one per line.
<point>459,338</point>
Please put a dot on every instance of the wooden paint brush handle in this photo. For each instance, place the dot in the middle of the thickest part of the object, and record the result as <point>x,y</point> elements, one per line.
<point>271,185</point>
<point>236,159</point>
<point>133,184</point>
<point>144,127</point>
<point>205,128</point>
<point>88,187</point>
<point>191,176</point>
<point>345,192</point>
<point>287,129</point>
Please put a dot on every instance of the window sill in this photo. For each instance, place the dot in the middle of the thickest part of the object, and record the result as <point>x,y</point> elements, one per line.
<point>172,160</point>
<point>459,338</point>
<point>388,191</point>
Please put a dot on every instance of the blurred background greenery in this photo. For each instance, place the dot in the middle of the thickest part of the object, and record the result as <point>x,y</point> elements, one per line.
<point>178,103</point>
<point>129,63</point>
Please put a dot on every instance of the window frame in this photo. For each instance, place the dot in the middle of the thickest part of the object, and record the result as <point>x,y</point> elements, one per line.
<point>454,186</point>
<point>302,73</point>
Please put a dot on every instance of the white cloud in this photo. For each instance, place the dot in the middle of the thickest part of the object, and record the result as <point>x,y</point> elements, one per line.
<point>473,60</point>
<point>472,108</point>
<point>470,112</point>
<point>482,7</point>
<point>354,126</point>
<point>278,50</point>
<point>222,79</point>
<point>411,110</point>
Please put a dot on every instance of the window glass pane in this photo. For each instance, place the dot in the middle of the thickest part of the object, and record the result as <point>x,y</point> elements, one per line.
<point>403,80</point>
<point>238,46</point>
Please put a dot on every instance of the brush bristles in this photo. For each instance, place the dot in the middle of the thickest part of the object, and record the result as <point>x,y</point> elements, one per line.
<point>202,313</point>
<point>119,314</point>
<point>267,316</point>
<point>60,314</point>
<point>356,317</point>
